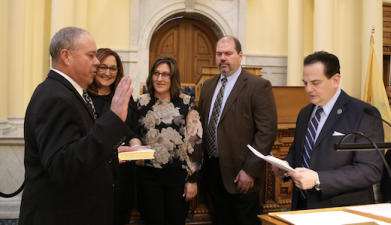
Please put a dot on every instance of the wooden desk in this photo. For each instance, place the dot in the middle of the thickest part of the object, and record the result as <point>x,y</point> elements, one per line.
<point>273,219</point>
<point>268,220</point>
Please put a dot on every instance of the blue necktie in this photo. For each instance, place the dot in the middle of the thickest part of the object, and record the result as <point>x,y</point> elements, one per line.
<point>310,142</point>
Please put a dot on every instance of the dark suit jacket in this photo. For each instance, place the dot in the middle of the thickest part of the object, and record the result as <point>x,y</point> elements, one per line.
<point>249,117</point>
<point>346,177</point>
<point>69,159</point>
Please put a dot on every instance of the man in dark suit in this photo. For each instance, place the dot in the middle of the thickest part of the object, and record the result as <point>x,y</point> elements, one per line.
<point>325,177</point>
<point>69,157</point>
<point>237,108</point>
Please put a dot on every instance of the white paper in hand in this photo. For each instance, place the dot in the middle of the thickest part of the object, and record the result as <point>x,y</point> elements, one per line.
<point>272,160</point>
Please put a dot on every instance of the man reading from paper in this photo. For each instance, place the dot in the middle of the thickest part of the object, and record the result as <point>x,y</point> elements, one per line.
<point>325,177</point>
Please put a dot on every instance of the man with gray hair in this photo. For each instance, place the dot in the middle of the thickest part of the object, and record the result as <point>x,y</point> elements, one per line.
<point>69,154</point>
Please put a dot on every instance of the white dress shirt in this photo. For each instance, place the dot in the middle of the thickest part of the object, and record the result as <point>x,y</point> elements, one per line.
<point>78,88</point>
<point>326,112</point>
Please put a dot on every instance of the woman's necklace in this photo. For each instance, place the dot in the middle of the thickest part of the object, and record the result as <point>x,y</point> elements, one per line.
<point>104,94</point>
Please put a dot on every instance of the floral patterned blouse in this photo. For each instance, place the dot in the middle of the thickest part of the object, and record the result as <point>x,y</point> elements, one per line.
<point>173,129</point>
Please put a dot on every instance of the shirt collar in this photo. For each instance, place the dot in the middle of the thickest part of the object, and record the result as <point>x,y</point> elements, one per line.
<point>78,88</point>
<point>232,76</point>
<point>330,104</point>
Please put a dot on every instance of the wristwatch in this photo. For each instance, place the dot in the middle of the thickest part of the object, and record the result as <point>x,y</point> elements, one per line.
<point>317,183</point>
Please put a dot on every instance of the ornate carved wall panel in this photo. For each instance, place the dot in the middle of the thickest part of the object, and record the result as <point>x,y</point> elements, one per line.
<point>386,29</point>
<point>386,43</point>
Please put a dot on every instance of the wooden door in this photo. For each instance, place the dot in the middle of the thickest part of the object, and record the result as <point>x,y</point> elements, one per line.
<point>190,42</point>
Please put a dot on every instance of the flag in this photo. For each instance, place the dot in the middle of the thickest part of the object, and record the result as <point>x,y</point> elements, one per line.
<point>374,91</point>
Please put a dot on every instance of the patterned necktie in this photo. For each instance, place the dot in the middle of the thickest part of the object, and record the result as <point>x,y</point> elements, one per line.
<point>89,103</point>
<point>310,142</point>
<point>210,133</point>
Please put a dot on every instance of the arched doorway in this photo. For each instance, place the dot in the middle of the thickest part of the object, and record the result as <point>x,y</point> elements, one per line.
<point>189,41</point>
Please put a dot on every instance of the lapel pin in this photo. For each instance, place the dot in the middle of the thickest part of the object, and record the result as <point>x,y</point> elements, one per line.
<point>339,111</point>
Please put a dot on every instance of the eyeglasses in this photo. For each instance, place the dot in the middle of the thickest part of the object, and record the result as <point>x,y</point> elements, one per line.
<point>112,70</point>
<point>165,76</point>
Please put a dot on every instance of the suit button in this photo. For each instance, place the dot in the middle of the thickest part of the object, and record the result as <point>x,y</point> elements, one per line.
<point>112,185</point>
<point>110,160</point>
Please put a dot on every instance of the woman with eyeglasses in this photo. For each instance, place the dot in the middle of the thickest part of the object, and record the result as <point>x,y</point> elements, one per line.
<point>168,122</point>
<point>109,74</point>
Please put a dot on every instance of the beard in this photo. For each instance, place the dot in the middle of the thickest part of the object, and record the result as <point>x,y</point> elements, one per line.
<point>226,69</point>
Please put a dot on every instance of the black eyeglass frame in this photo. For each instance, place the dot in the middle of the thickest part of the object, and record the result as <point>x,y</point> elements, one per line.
<point>108,68</point>
<point>165,76</point>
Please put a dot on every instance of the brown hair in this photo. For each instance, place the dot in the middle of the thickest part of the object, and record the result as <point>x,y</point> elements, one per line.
<point>175,89</point>
<point>238,46</point>
<point>101,55</point>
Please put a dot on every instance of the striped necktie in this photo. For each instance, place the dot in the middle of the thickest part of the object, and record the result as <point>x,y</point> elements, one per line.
<point>89,103</point>
<point>210,133</point>
<point>310,142</point>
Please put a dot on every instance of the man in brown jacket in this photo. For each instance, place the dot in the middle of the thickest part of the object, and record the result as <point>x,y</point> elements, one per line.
<point>237,108</point>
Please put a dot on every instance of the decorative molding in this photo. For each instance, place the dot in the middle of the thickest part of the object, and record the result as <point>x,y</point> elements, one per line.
<point>242,5</point>
<point>274,67</point>
<point>11,174</point>
<point>16,121</point>
<point>387,49</point>
<point>230,21</point>
<point>134,24</point>
<point>4,126</point>
<point>149,20</point>
<point>10,207</point>
<point>266,60</point>
<point>11,128</point>
<point>190,5</point>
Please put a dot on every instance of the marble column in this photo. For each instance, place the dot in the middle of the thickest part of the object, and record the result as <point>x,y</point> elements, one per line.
<point>134,55</point>
<point>295,42</point>
<point>324,25</point>
<point>27,57</point>
<point>372,17</point>
<point>81,14</point>
<point>15,57</point>
<point>11,141</point>
<point>4,65</point>
<point>242,24</point>
<point>348,45</point>
<point>62,15</point>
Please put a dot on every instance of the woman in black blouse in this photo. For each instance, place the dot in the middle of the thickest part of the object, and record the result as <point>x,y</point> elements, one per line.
<point>170,124</point>
<point>110,72</point>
